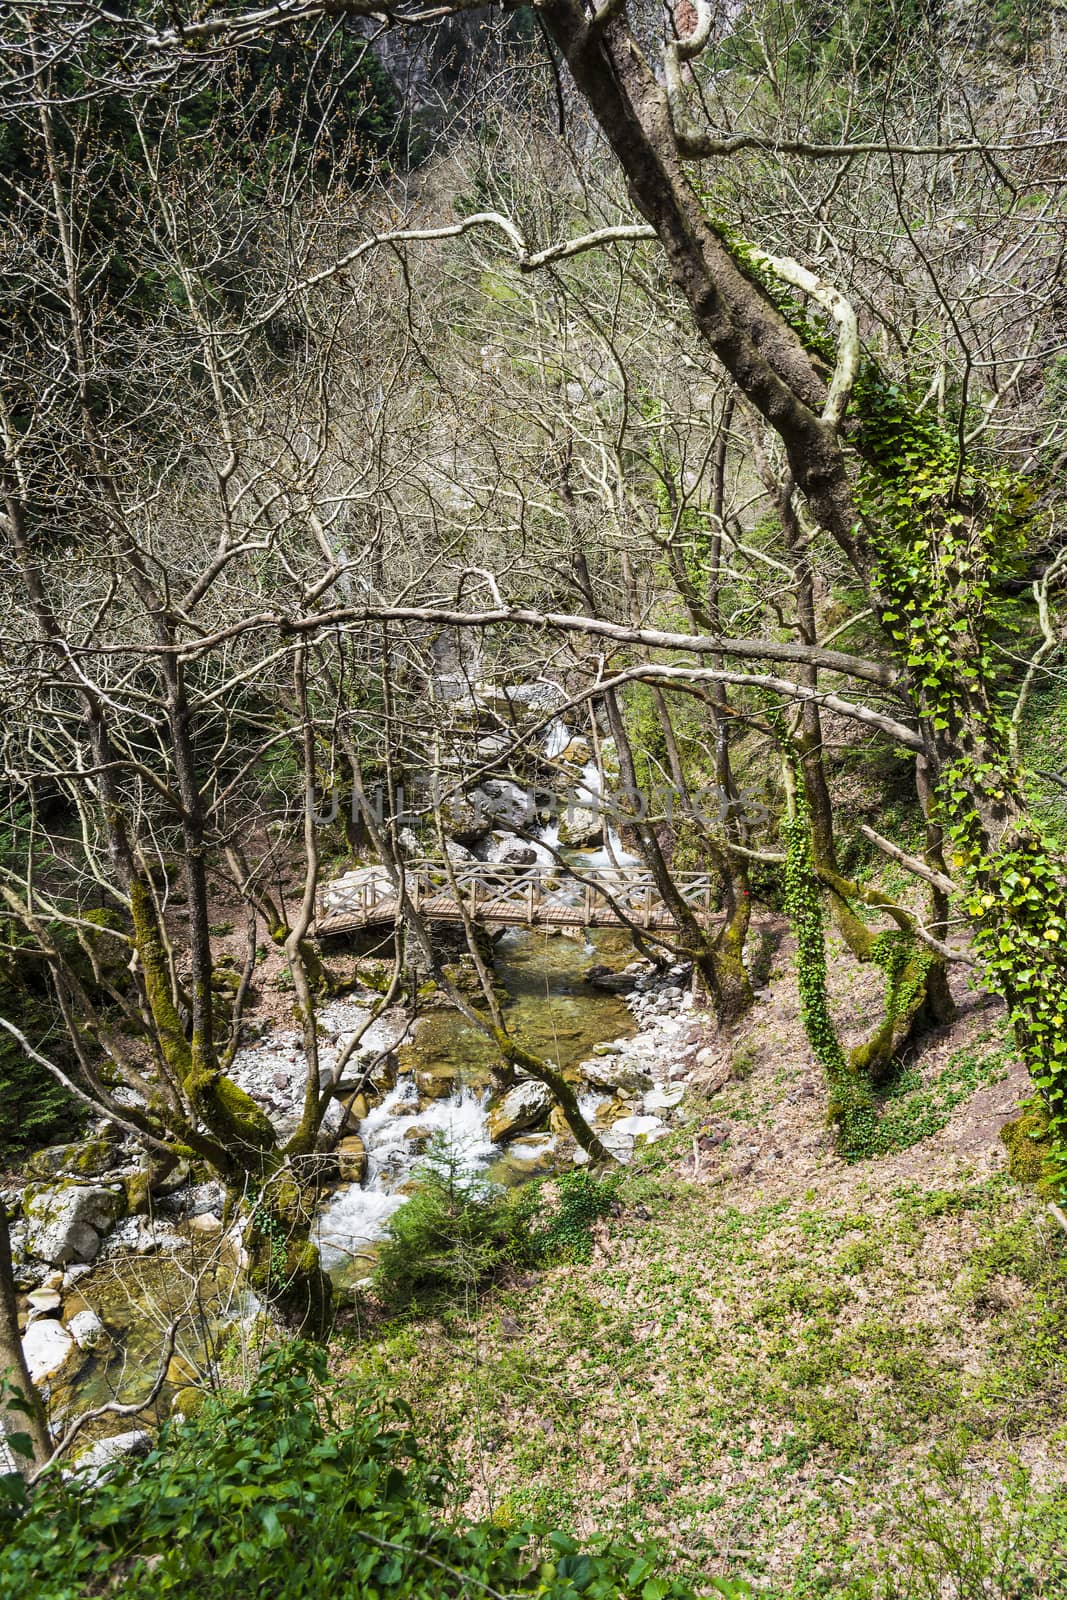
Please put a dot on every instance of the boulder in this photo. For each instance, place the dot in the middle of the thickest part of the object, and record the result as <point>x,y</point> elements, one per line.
<point>356,1109</point>
<point>616,1072</point>
<point>352,1159</point>
<point>65,1224</point>
<point>48,1347</point>
<point>522,1107</point>
<point>205,1222</point>
<point>436,1082</point>
<point>611,982</point>
<point>418,1135</point>
<point>508,850</point>
<point>623,1135</point>
<point>43,1302</point>
<point>576,753</point>
<point>581,827</point>
<point>608,1112</point>
<point>86,1329</point>
<point>205,1198</point>
<point>85,1158</point>
<point>662,1099</point>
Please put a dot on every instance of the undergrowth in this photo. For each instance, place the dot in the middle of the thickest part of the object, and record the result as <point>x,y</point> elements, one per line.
<point>294,1491</point>
<point>458,1230</point>
<point>913,1110</point>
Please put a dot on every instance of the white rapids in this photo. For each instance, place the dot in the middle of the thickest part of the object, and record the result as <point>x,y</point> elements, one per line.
<point>357,1218</point>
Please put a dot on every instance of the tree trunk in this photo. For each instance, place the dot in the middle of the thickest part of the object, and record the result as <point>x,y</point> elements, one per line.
<point>22,1413</point>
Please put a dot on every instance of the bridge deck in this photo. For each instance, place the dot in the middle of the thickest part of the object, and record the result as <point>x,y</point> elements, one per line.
<point>546,914</point>
<point>514,897</point>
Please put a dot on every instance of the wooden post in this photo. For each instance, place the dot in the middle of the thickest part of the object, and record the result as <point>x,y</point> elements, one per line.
<point>648,905</point>
<point>587,905</point>
<point>530,886</point>
<point>474,898</point>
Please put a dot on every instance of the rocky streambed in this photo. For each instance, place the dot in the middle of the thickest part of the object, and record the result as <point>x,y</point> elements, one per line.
<point>105,1266</point>
<point>101,1285</point>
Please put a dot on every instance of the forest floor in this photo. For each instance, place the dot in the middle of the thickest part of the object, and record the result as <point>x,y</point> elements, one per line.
<point>786,1367</point>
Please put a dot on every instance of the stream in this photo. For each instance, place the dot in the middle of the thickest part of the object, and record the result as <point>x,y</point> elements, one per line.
<point>182,1263</point>
<point>193,1269</point>
<point>551,1010</point>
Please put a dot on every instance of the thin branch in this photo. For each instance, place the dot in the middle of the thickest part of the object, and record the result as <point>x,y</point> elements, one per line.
<point>912,863</point>
<point>117,1408</point>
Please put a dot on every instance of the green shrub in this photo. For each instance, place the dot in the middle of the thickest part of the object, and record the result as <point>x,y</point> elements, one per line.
<point>287,1491</point>
<point>951,1543</point>
<point>455,1231</point>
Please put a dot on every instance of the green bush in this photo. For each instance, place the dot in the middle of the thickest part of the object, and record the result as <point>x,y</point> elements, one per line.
<point>951,1543</point>
<point>295,1490</point>
<point>455,1231</point>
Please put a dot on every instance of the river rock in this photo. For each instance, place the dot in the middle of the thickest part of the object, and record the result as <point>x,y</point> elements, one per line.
<point>418,1136</point>
<point>85,1158</point>
<point>43,1302</point>
<point>100,1458</point>
<point>508,850</point>
<point>65,1224</point>
<point>352,1159</point>
<point>581,827</point>
<point>576,753</point>
<point>523,1106</point>
<point>48,1347</point>
<point>615,1072</point>
<point>205,1198</point>
<point>611,982</point>
<point>436,1082</point>
<point>86,1329</point>
<point>205,1222</point>
<point>662,1099</point>
<point>493,805</point>
<point>609,1112</point>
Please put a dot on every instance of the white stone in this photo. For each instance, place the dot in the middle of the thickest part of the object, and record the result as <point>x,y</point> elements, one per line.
<point>662,1099</point>
<point>616,1072</point>
<point>522,1107</point>
<point>205,1222</point>
<point>47,1347</point>
<point>106,1453</point>
<point>86,1329</point>
<point>42,1301</point>
<point>65,1224</point>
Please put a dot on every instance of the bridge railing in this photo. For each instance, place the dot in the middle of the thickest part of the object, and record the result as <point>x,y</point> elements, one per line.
<point>485,887</point>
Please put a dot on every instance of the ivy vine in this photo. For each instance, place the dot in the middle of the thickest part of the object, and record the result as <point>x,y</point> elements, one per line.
<point>851,1107</point>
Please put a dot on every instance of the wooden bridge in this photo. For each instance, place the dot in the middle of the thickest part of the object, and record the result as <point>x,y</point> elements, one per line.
<point>515,897</point>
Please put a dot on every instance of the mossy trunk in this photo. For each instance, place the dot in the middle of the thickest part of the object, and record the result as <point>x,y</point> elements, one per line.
<point>284,1266</point>
<point>22,1413</point>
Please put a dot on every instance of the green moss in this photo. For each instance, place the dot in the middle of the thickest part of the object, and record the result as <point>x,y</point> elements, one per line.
<point>138,1187</point>
<point>1029,1143</point>
<point>156,972</point>
<point>188,1402</point>
<point>232,1115</point>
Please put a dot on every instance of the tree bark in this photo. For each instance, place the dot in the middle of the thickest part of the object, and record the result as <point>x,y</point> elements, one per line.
<point>27,1415</point>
